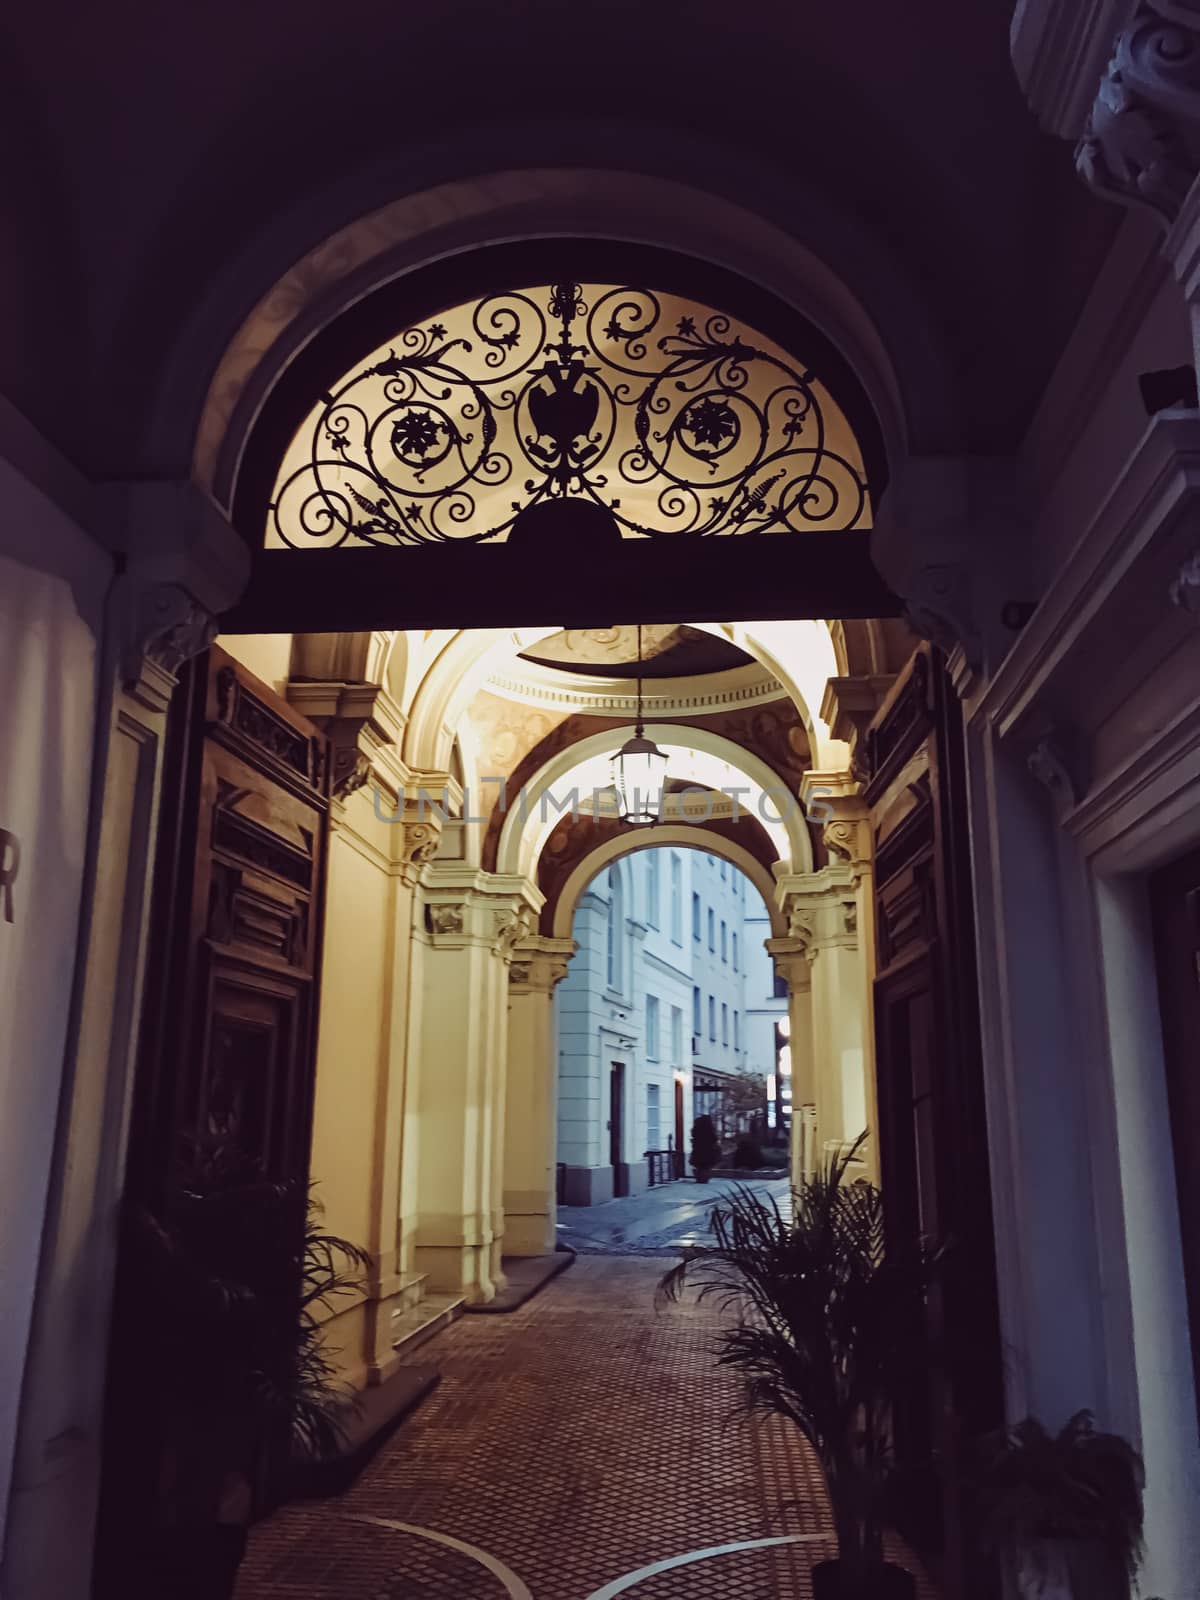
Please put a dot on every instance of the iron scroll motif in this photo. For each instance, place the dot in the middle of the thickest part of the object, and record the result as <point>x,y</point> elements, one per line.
<point>566,392</point>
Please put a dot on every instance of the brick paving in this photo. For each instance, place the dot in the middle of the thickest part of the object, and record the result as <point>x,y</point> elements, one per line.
<point>578,1440</point>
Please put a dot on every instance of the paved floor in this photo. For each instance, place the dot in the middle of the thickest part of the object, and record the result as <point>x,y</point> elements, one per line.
<point>662,1220</point>
<point>582,1448</point>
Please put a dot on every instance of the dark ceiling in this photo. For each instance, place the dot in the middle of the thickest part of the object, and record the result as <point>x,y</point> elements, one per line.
<point>150,144</point>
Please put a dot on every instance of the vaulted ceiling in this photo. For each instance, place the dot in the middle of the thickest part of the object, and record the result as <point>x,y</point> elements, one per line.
<point>160,154</point>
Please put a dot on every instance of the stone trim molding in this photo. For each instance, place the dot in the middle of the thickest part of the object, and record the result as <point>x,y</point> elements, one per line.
<point>574,694</point>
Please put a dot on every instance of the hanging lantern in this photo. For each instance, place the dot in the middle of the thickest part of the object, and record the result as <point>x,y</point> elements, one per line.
<point>639,768</point>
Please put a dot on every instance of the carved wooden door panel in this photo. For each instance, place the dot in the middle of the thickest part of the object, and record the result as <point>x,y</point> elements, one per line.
<point>932,1127</point>
<point>255,923</point>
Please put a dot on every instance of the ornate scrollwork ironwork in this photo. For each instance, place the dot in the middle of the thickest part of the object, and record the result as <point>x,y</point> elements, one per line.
<point>660,411</point>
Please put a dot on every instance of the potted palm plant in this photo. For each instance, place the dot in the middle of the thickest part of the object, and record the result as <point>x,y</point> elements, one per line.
<point>235,1272</point>
<point>706,1148</point>
<point>1061,1513</point>
<point>828,1330</point>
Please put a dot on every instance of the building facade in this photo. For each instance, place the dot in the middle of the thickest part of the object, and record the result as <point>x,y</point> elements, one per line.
<point>657,999</point>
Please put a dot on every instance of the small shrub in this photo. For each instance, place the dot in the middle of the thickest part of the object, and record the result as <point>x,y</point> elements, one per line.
<point>748,1153</point>
<point>706,1147</point>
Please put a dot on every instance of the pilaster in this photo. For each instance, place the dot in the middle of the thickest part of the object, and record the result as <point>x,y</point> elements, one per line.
<point>538,965</point>
<point>469,924</point>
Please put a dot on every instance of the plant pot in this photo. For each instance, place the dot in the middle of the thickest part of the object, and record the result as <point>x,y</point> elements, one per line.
<point>702,1175</point>
<point>888,1582</point>
<point>199,1563</point>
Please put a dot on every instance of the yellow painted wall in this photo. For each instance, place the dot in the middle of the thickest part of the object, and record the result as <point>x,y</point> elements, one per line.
<point>351,1056</point>
<point>267,655</point>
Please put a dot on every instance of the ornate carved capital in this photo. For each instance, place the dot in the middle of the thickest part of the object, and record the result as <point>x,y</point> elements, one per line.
<point>939,609</point>
<point>351,771</point>
<point>446,918</point>
<point>540,963</point>
<point>1142,145</point>
<point>792,959</point>
<point>509,927</point>
<point>420,845</point>
<point>163,627</point>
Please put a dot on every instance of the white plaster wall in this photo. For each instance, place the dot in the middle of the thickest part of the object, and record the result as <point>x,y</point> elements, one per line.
<point>53,583</point>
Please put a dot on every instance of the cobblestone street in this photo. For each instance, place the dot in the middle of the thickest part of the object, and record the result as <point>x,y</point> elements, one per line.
<point>663,1220</point>
<point>581,1448</point>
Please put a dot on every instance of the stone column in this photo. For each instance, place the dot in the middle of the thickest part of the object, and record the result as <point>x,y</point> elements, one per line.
<point>822,912</point>
<point>531,1100</point>
<point>792,958</point>
<point>468,926</point>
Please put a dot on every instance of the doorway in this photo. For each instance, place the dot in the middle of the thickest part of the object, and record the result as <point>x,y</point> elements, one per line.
<point>616,1127</point>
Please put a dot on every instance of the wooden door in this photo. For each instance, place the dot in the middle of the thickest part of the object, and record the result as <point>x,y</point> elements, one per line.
<point>230,1049</point>
<point>678,1167</point>
<point>932,1127</point>
<point>1175,906</point>
<point>229,1031</point>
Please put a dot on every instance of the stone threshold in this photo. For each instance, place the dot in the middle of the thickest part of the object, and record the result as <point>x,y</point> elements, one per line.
<point>526,1275</point>
<point>367,1424</point>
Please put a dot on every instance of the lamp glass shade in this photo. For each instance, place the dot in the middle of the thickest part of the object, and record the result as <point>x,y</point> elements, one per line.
<point>639,770</point>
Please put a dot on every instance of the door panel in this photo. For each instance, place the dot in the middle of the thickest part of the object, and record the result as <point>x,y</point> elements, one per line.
<point>229,1032</point>
<point>932,1128</point>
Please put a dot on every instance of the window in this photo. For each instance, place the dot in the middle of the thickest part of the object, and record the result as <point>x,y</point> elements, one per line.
<point>737,1033</point>
<point>724,1023</point>
<point>712,1017</point>
<point>735,952</point>
<point>676,899</point>
<point>722,871</point>
<point>712,930</point>
<point>677,1036</point>
<point>780,990</point>
<point>652,1027</point>
<point>697,1023</point>
<point>696,917</point>
<point>724,941</point>
<point>653,887</point>
<point>653,1120</point>
<point>616,927</point>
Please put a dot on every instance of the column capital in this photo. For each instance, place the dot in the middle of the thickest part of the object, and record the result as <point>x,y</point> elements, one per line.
<point>539,963</point>
<point>792,959</point>
<point>184,563</point>
<point>465,905</point>
<point>821,907</point>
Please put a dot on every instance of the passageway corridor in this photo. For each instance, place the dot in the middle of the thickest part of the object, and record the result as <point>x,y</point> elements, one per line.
<point>570,1445</point>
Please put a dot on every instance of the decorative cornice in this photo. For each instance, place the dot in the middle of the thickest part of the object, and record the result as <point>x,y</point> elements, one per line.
<point>1142,142</point>
<point>791,957</point>
<point>574,694</point>
<point>1136,534</point>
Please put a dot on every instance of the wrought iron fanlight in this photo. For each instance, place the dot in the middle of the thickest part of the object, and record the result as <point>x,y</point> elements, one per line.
<point>564,392</point>
<point>639,768</point>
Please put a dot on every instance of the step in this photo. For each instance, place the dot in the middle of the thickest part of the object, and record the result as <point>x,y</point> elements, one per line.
<point>411,1292</point>
<point>412,1328</point>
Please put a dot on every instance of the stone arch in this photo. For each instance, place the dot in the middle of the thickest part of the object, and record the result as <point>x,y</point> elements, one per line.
<point>521,842</point>
<point>881,325</point>
<point>681,835</point>
<point>470,657</point>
